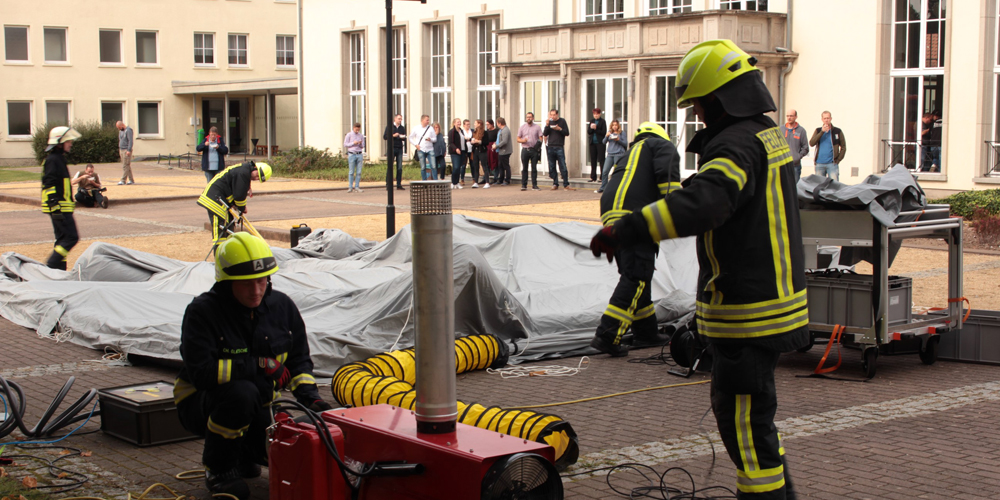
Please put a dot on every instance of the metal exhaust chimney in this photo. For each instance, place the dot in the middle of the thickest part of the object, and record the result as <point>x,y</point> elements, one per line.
<point>434,303</point>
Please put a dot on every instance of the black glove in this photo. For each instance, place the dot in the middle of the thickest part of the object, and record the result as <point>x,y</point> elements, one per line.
<point>320,406</point>
<point>58,215</point>
<point>276,372</point>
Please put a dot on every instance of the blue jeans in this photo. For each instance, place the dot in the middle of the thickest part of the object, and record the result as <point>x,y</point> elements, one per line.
<point>609,164</point>
<point>209,174</point>
<point>931,159</point>
<point>457,167</point>
<point>354,161</point>
<point>428,165</point>
<point>556,154</point>
<point>831,170</point>
<point>798,171</point>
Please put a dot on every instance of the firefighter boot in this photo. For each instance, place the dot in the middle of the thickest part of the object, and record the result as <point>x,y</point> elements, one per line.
<point>609,347</point>
<point>227,482</point>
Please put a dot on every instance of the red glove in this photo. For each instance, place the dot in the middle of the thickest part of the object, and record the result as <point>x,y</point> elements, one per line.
<point>276,372</point>
<point>604,242</point>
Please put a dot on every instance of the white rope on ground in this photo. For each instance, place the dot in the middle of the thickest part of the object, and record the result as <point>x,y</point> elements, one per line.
<point>541,371</point>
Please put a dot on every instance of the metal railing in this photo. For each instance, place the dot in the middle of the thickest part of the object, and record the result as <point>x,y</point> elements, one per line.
<point>992,159</point>
<point>907,153</point>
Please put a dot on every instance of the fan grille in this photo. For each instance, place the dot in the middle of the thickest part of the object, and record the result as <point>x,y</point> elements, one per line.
<point>522,477</point>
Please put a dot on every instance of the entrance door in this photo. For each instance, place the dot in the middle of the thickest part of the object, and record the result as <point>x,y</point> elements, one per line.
<point>538,97</point>
<point>608,92</point>
<point>680,124</point>
<point>214,113</point>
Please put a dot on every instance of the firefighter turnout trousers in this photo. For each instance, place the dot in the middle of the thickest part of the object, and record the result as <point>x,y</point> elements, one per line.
<point>220,228</point>
<point>66,238</point>
<point>744,402</point>
<point>233,420</point>
<point>631,304</point>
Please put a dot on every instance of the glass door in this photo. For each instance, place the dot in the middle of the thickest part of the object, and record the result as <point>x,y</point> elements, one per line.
<point>538,97</point>
<point>680,124</point>
<point>610,94</point>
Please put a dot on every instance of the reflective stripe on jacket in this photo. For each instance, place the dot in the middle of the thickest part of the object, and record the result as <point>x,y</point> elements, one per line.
<point>647,172</point>
<point>57,193</point>
<point>232,185</point>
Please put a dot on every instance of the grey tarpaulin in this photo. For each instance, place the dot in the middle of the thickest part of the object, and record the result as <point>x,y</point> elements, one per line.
<point>884,196</point>
<point>534,284</point>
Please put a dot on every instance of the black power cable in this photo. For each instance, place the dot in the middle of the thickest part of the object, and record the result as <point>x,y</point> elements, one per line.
<point>76,479</point>
<point>657,486</point>
<point>13,394</point>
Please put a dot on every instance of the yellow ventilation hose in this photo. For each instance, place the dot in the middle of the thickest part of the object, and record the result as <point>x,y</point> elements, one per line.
<point>388,378</point>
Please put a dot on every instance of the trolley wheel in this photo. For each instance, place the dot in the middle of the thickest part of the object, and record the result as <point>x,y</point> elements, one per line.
<point>869,357</point>
<point>929,353</point>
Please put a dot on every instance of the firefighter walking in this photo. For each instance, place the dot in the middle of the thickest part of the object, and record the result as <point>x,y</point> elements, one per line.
<point>241,343</point>
<point>57,195</point>
<point>647,172</point>
<point>230,188</point>
<point>751,297</point>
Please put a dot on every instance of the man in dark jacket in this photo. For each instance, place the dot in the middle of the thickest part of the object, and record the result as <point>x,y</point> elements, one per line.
<point>241,343</point>
<point>397,133</point>
<point>213,154</point>
<point>644,175</point>
<point>751,297</point>
<point>229,189</point>
<point>795,136</point>
<point>555,133</point>
<point>831,146</point>
<point>596,130</point>
<point>57,195</point>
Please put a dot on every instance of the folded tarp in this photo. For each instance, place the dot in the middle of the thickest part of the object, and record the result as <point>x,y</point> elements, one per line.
<point>536,285</point>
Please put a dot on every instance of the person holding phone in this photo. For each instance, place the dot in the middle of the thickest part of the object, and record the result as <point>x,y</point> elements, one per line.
<point>396,133</point>
<point>597,130</point>
<point>213,154</point>
<point>555,133</point>
<point>354,143</point>
<point>616,143</point>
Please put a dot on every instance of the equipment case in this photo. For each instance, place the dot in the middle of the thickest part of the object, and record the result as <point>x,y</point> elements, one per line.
<point>142,414</point>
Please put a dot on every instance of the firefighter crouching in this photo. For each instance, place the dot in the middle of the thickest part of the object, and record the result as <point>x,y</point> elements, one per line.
<point>241,342</point>
<point>751,302</point>
<point>230,188</point>
<point>57,195</point>
<point>647,172</point>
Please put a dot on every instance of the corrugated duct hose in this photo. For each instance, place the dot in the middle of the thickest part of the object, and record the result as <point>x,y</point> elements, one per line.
<point>388,378</point>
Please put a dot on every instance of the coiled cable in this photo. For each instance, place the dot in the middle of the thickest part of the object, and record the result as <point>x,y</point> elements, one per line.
<point>14,399</point>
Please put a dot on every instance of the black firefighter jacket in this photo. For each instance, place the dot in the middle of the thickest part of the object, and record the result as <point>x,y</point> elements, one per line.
<point>232,185</point>
<point>648,171</point>
<point>57,196</point>
<point>742,205</point>
<point>222,340</point>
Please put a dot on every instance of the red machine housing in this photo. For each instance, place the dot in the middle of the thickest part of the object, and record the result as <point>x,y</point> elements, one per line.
<point>301,468</point>
<point>454,463</point>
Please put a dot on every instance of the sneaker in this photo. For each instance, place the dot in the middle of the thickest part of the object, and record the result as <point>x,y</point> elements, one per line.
<point>129,183</point>
<point>401,188</point>
<point>460,187</point>
<point>535,188</point>
<point>555,188</point>
<point>598,191</point>
<point>121,183</point>
<point>104,203</point>
<point>475,185</point>
<point>603,345</point>
<point>487,186</point>
<point>358,190</point>
<point>453,186</point>
<point>506,184</point>
<point>523,188</point>
<point>229,482</point>
<point>349,190</point>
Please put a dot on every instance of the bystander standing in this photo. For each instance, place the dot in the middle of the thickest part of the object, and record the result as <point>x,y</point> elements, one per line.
<point>354,143</point>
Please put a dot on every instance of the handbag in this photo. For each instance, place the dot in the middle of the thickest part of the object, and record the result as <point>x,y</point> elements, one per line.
<point>417,149</point>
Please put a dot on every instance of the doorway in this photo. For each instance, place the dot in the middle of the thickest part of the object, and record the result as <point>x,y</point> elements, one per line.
<point>610,94</point>
<point>538,97</point>
<point>214,113</point>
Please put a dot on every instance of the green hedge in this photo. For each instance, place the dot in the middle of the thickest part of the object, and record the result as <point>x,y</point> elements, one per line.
<point>966,202</point>
<point>98,143</point>
<point>311,163</point>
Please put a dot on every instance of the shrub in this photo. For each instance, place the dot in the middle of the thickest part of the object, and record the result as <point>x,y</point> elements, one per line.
<point>97,143</point>
<point>305,159</point>
<point>966,203</point>
<point>987,226</point>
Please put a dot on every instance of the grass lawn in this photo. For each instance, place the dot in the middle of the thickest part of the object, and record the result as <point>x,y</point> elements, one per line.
<point>369,173</point>
<point>8,175</point>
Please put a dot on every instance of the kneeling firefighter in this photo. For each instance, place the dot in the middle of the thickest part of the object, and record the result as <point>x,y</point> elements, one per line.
<point>647,172</point>
<point>241,342</point>
<point>751,298</point>
<point>230,188</point>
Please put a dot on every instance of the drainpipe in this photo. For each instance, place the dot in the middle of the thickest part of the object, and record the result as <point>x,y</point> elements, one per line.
<point>782,87</point>
<point>302,106</point>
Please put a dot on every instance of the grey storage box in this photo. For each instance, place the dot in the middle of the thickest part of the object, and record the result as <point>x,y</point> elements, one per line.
<point>142,414</point>
<point>846,299</point>
<point>978,341</point>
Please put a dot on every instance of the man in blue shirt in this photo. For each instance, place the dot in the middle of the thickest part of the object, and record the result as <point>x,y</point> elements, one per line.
<point>831,146</point>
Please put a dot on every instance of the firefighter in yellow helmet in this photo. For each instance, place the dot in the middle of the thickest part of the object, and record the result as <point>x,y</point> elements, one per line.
<point>241,343</point>
<point>647,172</point>
<point>57,196</point>
<point>230,188</point>
<point>751,297</point>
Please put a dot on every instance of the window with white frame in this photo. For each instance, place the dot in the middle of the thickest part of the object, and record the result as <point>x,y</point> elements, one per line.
<point>55,45</point>
<point>110,46</point>
<point>204,49</point>
<point>57,113</point>
<point>599,10</point>
<point>19,119</point>
<point>993,148</point>
<point>359,87</point>
<point>760,5</point>
<point>917,75</point>
<point>680,124</point>
<point>15,42</point>
<point>399,89</point>
<point>659,7</point>
<point>238,50</point>
<point>285,50</point>
<point>112,112</point>
<point>487,77</point>
<point>441,74</point>
<point>149,118</point>
<point>146,50</point>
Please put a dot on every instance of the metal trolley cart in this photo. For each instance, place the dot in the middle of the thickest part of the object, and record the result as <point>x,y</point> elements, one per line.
<point>873,329</point>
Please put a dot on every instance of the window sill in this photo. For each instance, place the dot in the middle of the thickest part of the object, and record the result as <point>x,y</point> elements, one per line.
<point>286,68</point>
<point>986,180</point>
<point>19,138</point>
<point>199,67</point>
<point>18,63</point>
<point>56,64</point>
<point>147,66</point>
<point>925,177</point>
<point>149,137</point>
<point>111,65</point>
<point>240,68</point>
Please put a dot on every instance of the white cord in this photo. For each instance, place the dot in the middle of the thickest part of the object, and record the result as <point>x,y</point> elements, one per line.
<point>541,371</point>
<point>406,322</point>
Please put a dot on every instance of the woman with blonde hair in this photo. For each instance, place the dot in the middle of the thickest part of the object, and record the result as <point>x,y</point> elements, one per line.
<point>617,146</point>
<point>479,154</point>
